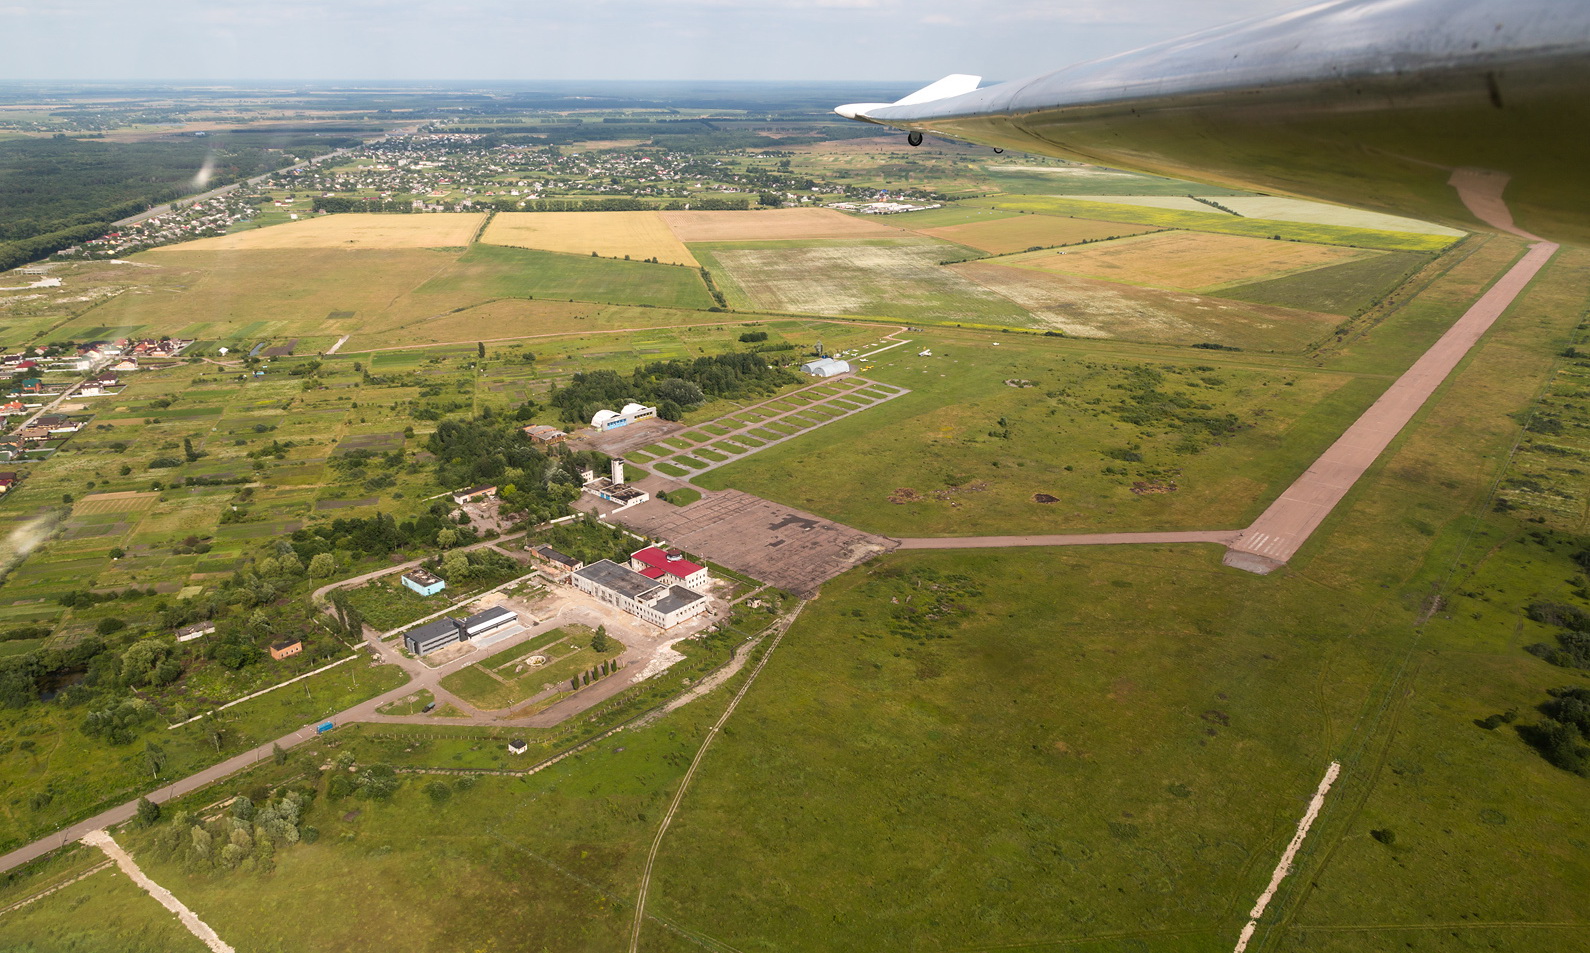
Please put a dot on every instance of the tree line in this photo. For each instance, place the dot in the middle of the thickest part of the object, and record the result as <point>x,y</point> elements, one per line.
<point>673,386</point>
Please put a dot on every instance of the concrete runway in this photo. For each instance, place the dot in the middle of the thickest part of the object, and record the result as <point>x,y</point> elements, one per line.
<point>1287,524</point>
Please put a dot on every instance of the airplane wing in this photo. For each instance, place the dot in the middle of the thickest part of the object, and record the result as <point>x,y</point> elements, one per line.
<point>1430,108</point>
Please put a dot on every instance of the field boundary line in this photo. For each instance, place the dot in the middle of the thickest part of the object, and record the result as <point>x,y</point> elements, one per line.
<point>684,784</point>
<point>56,887</point>
<point>266,691</point>
<point>164,897</point>
<point>1285,866</point>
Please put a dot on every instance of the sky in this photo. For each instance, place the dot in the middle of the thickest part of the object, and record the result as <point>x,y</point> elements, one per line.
<point>722,40</point>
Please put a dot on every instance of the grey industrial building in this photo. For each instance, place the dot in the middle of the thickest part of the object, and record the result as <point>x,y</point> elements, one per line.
<point>661,605</point>
<point>427,638</point>
<point>487,622</point>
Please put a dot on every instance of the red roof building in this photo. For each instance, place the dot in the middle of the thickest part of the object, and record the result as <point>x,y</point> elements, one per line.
<point>669,566</point>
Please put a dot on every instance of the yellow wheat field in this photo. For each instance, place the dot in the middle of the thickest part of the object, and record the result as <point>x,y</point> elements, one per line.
<point>1188,261</point>
<point>351,230</point>
<point>640,235</point>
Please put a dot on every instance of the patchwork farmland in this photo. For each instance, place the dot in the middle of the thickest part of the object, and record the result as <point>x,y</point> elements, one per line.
<point>1189,375</point>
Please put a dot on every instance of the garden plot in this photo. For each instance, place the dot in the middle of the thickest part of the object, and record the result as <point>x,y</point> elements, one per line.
<point>900,278</point>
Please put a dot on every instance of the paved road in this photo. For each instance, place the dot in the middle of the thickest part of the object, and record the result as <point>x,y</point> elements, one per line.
<point>61,398</point>
<point>1278,533</point>
<point>319,595</point>
<point>124,812</point>
<point>1220,536</point>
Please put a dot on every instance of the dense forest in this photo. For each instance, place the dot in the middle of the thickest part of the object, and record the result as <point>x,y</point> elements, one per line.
<point>59,191</point>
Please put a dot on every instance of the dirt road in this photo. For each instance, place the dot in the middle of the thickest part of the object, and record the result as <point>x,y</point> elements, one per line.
<point>1221,536</point>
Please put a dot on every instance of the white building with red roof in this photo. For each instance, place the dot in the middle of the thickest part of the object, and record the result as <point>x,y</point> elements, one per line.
<point>669,567</point>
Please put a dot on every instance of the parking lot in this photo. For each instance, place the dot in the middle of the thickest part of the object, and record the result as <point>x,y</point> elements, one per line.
<point>788,548</point>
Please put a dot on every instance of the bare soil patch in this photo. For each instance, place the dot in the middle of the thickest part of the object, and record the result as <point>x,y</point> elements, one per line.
<point>639,434</point>
<point>777,544</point>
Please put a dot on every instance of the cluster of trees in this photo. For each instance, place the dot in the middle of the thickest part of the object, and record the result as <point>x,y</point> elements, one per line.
<point>594,674</point>
<point>674,386</point>
<point>345,203</point>
<point>491,449</point>
<point>247,837</point>
<point>366,536</point>
<point>20,252</point>
<point>1561,737</point>
<point>587,539</point>
<point>1573,638</point>
<point>485,563</point>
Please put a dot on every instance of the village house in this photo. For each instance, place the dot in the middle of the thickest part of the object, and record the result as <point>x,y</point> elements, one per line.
<point>553,564</point>
<point>423,582</point>
<point>195,631</point>
<point>56,423</point>
<point>286,649</point>
<point>545,435</point>
<point>474,493</point>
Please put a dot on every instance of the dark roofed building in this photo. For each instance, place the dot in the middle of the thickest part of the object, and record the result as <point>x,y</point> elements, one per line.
<point>427,638</point>
<point>489,621</point>
<point>557,565</point>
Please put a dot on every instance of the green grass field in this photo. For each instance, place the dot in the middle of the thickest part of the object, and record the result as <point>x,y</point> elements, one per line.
<point>1087,180</point>
<point>46,755</point>
<point>1100,750</point>
<point>938,461</point>
<point>106,913</point>
<point>1348,288</point>
<point>490,271</point>
<point>1219,222</point>
<point>497,682</point>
